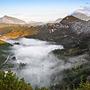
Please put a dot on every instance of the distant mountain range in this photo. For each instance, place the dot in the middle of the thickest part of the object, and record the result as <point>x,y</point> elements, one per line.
<point>11,20</point>
<point>34,23</point>
<point>78,14</point>
<point>58,20</point>
<point>81,15</point>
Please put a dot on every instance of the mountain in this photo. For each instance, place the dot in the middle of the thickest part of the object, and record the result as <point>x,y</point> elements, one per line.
<point>68,20</point>
<point>11,20</point>
<point>33,23</point>
<point>77,25</point>
<point>58,20</point>
<point>70,32</point>
<point>81,16</point>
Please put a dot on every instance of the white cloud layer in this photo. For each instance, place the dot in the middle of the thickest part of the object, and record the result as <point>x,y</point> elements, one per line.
<point>85,10</point>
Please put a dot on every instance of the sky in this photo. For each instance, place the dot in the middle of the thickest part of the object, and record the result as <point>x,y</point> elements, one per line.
<point>40,10</point>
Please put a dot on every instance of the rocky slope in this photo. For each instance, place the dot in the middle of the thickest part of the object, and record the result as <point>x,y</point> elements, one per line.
<point>73,33</point>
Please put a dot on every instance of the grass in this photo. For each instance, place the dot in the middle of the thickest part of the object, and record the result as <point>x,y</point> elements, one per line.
<point>16,31</point>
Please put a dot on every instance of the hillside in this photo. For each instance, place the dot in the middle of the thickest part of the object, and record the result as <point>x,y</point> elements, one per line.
<point>16,31</point>
<point>71,32</point>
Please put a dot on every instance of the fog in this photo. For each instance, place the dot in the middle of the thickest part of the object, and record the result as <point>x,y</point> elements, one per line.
<point>40,66</point>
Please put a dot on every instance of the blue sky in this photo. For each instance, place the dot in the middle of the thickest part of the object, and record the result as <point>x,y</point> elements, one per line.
<point>40,10</point>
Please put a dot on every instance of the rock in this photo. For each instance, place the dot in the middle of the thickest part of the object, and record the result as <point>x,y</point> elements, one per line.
<point>13,58</point>
<point>17,43</point>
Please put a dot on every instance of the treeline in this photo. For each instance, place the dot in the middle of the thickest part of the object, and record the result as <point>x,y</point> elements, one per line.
<point>9,81</point>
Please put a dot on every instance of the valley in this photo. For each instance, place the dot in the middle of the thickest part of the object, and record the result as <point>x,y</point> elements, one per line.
<point>52,55</point>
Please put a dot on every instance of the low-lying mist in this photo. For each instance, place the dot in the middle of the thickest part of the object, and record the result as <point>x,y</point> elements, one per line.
<point>39,65</point>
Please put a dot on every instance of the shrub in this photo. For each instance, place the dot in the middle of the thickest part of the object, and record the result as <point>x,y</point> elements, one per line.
<point>84,86</point>
<point>9,81</point>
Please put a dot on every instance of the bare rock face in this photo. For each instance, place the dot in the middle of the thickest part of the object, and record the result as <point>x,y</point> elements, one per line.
<point>11,20</point>
<point>81,27</point>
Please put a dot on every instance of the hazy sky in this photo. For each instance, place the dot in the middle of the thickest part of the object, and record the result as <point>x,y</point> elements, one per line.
<point>40,10</point>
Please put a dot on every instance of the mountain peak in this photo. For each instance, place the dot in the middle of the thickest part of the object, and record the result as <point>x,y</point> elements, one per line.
<point>11,20</point>
<point>8,17</point>
<point>70,19</point>
<point>81,16</point>
<point>5,16</point>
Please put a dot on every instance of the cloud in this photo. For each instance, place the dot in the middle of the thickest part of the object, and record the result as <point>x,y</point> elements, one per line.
<point>85,10</point>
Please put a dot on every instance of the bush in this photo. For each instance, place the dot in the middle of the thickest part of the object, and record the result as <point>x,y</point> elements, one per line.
<point>9,81</point>
<point>84,86</point>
